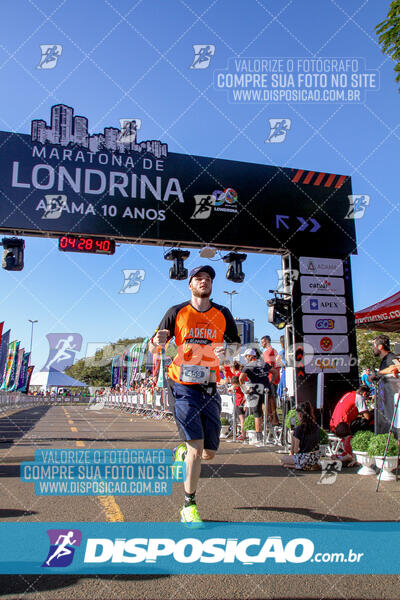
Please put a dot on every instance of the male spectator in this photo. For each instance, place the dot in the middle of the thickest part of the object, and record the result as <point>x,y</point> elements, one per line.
<point>382,349</point>
<point>365,380</point>
<point>257,374</point>
<point>271,358</point>
<point>281,361</point>
<point>350,415</point>
<point>384,398</point>
<point>365,377</point>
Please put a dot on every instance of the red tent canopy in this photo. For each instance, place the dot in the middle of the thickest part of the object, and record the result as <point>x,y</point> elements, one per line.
<point>382,316</point>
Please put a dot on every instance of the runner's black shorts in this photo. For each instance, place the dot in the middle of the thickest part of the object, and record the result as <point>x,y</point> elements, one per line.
<point>258,410</point>
<point>197,412</point>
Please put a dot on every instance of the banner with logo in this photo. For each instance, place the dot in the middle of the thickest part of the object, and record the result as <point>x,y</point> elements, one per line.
<point>10,365</point>
<point>18,365</point>
<point>111,184</point>
<point>226,548</point>
<point>115,369</point>
<point>25,388</point>
<point>23,372</point>
<point>5,340</point>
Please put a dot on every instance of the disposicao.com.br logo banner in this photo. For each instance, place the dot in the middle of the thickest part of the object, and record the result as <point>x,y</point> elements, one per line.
<point>237,548</point>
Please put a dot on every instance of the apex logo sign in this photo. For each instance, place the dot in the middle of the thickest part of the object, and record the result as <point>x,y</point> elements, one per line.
<point>324,305</point>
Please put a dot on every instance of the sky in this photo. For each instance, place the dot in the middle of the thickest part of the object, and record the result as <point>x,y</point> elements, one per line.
<point>133,60</point>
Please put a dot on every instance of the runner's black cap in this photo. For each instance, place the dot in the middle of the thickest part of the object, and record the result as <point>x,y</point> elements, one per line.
<point>205,268</point>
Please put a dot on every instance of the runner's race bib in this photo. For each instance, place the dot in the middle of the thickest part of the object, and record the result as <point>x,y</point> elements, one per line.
<point>194,374</point>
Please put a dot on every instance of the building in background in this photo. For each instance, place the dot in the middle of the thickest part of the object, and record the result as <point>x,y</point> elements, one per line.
<point>246,330</point>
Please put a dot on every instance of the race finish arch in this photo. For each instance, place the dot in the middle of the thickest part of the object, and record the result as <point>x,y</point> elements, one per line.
<point>62,179</point>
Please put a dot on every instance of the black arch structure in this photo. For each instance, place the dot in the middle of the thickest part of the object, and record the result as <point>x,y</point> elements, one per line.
<point>52,183</point>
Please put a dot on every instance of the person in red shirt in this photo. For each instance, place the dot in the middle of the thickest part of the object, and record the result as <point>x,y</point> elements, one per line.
<point>240,405</point>
<point>270,358</point>
<point>351,414</point>
<point>232,372</point>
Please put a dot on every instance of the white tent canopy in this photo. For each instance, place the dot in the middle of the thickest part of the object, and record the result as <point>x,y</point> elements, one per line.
<point>54,378</point>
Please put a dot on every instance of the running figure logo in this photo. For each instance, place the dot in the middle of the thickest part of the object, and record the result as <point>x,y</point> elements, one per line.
<point>330,470</point>
<point>50,55</point>
<point>129,129</point>
<point>278,130</point>
<point>202,56</point>
<point>62,547</point>
<point>55,204</point>
<point>63,347</point>
<point>132,280</point>
<point>357,205</point>
<point>204,205</point>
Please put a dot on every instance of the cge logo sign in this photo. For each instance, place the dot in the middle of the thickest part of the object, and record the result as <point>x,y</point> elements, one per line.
<point>325,324</point>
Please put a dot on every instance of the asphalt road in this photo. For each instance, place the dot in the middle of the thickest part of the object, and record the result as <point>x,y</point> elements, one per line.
<point>242,484</point>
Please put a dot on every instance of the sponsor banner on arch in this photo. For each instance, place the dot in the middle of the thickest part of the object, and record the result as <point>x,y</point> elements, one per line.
<point>334,363</point>
<point>321,266</point>
<point>323,305</point>
<point>322,285</point>
<point>63,178</point>
<point>324,324</point>
<point>332,344</point>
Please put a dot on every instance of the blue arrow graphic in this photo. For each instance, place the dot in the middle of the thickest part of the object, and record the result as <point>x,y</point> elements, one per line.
<point>316,225</point>
<point>304,224</point>
<point>280,220</point>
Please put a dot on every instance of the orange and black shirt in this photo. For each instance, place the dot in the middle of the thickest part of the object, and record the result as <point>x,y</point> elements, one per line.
<point>197,333</point>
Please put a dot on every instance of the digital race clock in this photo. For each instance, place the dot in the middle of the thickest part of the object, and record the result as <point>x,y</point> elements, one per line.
<point>87,244</point>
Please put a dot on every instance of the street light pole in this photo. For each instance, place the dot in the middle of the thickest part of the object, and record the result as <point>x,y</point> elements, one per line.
<point>230,294</point>
<point>30,351</point>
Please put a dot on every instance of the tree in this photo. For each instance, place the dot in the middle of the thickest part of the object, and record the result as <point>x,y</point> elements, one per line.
<point>389,35</point>
<point>96,370</point>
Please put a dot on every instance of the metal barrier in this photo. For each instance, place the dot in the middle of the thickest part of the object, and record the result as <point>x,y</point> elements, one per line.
<point>16,400</point>
<point>150,404</point>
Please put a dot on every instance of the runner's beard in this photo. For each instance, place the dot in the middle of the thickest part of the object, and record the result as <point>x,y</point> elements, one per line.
<point>199,294</point>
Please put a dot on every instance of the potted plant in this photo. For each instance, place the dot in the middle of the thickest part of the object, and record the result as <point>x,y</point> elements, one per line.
<point>359,444</point>
<point>323,441</point>
<point>376,448</point>
<point>224,427</point>
<point>249,426</point>
<point>292,414</point>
